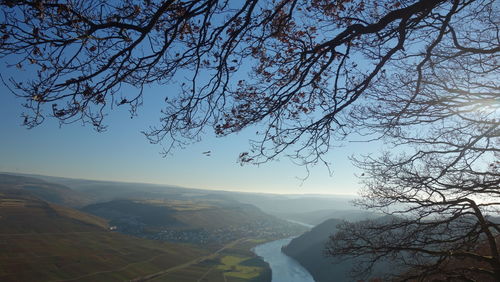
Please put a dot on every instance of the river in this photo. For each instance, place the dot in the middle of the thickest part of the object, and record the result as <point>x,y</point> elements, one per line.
<point>284,268</point>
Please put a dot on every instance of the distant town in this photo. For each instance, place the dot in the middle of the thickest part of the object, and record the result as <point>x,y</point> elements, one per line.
<point>257,229</point>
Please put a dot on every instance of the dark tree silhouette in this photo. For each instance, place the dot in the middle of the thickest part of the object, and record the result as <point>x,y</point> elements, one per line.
<point>440,181</point>
<point>296,67</point>
<point>420,75</point>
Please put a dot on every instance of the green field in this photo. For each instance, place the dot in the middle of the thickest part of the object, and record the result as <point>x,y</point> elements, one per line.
<point>235,263</point>
<point>232,267</point>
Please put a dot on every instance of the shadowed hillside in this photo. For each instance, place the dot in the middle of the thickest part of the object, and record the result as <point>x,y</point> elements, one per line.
<point>118,211</point>
<point>309,250</point>
<point>192,221</point>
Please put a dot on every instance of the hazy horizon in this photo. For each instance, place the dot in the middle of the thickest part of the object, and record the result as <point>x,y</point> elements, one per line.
<point>122,153</point>
<point>28,174</point>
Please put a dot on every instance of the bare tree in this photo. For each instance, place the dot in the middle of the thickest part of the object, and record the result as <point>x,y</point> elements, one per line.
<point>441,178</point>
<point>294,67</point>
<point>420,74</point>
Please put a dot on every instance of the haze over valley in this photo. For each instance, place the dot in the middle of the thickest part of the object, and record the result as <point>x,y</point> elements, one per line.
<point>84,230</point>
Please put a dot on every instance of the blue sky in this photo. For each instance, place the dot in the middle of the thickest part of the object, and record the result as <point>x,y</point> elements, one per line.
<point>122,153</point>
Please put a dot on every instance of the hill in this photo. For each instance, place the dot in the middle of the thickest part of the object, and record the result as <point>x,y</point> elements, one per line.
<point>318,216</point>
<point>50,192</point>
<point>98,191</point>
<point>280,205</point>
<point>308,249</point>
<point>22,213</point>
<point>42,241</point>
<point>193,221</point>
<point>283,206</point>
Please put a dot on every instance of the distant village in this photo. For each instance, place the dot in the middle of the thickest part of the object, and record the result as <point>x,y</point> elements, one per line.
<point>267,229</point>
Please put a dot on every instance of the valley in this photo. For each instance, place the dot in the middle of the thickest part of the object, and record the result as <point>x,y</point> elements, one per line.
<point>61,229</point>
<point>51,232</point>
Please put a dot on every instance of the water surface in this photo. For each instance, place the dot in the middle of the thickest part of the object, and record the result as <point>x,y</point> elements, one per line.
<point>284,268</point>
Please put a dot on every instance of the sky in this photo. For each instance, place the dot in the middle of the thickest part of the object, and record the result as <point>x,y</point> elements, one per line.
<point>122,153</point>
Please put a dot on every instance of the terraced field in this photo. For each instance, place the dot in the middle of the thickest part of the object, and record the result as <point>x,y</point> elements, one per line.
<point>45,241</point>
<point>91,256</point>
<point>42,241</point>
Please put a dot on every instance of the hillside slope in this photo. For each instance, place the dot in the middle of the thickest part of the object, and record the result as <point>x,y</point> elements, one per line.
<point>50,192</point>
<point>192,221</point>
<point>308,249</point>
<point>41,241</point>
<point>22,213</point>
<point>278,205</point>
